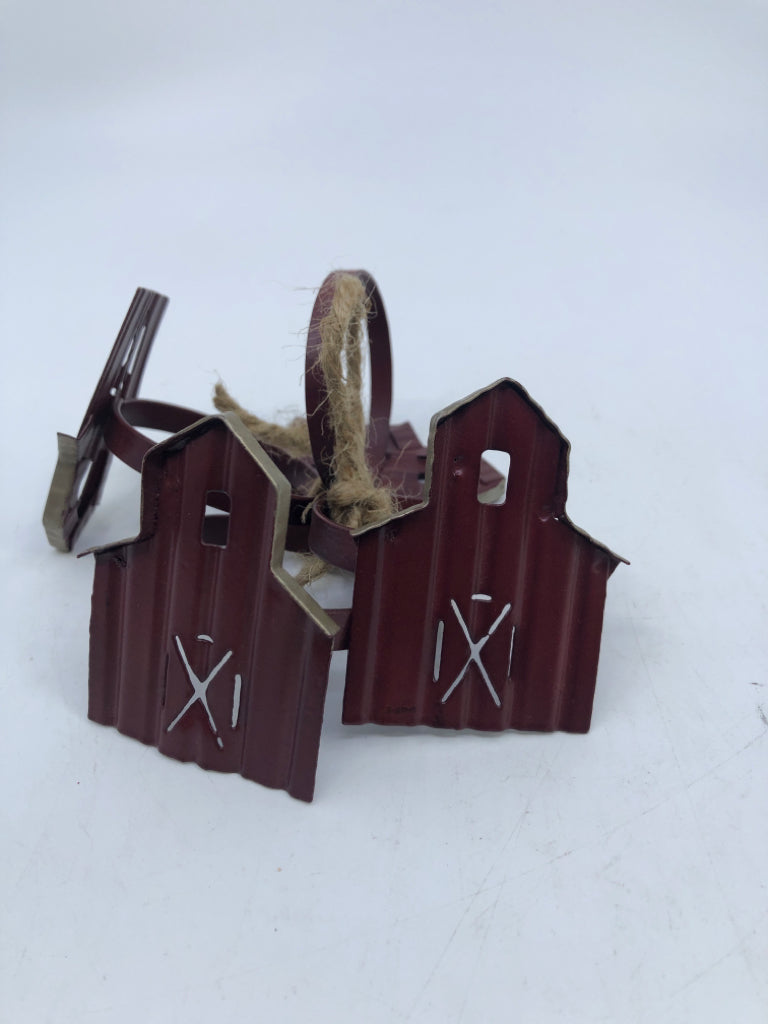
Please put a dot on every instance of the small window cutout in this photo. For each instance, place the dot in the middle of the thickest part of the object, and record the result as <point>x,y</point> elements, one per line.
<point>218,508</point>
<point>496,495</point>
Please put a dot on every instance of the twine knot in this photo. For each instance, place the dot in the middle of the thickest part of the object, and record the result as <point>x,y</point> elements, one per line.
<point>354,497</point>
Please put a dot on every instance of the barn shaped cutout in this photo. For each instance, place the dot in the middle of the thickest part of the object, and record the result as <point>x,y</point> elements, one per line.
<point>201,643</point>
<point>476,615</point>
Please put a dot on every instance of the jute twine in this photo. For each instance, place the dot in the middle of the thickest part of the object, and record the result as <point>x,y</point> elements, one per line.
<point>292,437</point>
<point>354,498</point>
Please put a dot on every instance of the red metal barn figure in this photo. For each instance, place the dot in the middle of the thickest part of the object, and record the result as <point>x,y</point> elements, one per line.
<point>477,615</point>
<point>201,643</point>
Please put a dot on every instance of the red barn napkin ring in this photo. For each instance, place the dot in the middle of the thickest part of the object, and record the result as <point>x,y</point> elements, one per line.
<point>466,612</point>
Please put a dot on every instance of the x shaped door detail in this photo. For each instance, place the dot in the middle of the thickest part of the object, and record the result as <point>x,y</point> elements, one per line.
<point>474,653</point>
<point>200,689</point>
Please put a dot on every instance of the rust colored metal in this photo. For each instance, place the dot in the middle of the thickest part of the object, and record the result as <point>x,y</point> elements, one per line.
<point>320,433</point>
<point>394,453</point>
<point>476,615</point>
<point>83,460</point>
<point>477,605</point>
<point>114,416</point>
<point>201,643</point>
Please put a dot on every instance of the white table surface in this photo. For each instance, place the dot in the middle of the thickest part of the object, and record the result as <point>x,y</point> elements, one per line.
<point>573,195</point>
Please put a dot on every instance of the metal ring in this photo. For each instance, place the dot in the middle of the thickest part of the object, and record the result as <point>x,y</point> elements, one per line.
<point>320,431</point>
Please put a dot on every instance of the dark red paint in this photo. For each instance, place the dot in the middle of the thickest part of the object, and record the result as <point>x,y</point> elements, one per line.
<point>458,562</point>
<point>155,595</point>
<point>465,614</point>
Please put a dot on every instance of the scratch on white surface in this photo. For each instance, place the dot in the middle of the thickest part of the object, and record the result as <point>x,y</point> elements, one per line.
<point>442,955</point>
<point>20,961</point>
<point>484,887</point>
<point>675,793</point>
<point>649,675</point>
<point>727,760</point>
<point>481,950</point>
<point>704,972</point>
<point>687,787</point>
<point>737,948</point>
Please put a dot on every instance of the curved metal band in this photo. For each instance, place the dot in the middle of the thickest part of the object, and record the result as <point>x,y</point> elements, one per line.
<point>125,440</point>
<point>320,431</point>
<point>128,443</point>
<point>332,542</point>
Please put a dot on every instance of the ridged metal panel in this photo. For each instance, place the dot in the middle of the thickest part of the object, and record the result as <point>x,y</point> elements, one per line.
<point>83,460</point>
<point>468,615</point>
<point>169,608</point>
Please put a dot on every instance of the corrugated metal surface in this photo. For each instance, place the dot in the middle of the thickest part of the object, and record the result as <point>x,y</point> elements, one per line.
<point>476,615</point>
<point>208,652</point>
<point>83,460</point>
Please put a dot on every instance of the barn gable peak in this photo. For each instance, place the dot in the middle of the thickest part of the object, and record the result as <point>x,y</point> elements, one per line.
<point>255,461</point>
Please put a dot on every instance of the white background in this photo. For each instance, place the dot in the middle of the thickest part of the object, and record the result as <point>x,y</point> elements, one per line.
<point>573,195</point>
